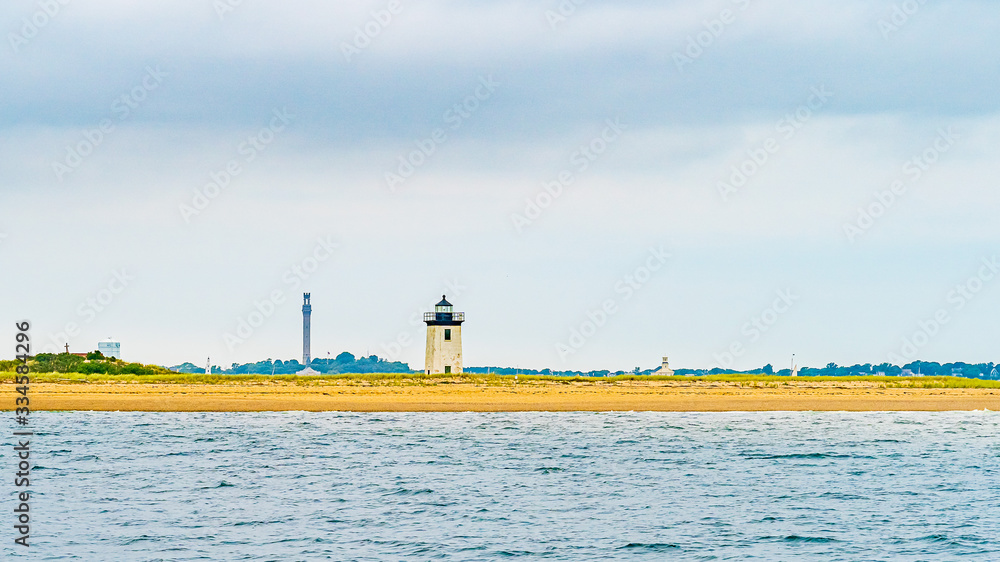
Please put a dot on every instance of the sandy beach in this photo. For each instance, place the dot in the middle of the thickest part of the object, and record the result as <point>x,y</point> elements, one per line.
<point>666,397</point>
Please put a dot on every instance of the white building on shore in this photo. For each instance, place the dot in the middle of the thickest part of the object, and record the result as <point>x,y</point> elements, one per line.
<point>110,348</point>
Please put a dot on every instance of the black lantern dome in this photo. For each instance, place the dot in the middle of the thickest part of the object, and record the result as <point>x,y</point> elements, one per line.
<point>443,315</point>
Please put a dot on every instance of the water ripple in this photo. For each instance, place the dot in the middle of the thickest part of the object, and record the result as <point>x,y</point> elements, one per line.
<point>491,486</point>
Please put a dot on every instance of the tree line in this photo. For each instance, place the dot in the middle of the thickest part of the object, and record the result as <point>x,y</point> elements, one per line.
<point>93,363</point>
<point>96,363</point>
<point>989,371</point>
<point>343,363</point>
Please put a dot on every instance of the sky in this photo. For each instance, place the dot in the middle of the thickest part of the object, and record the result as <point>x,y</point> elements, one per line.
<point>596,184</point>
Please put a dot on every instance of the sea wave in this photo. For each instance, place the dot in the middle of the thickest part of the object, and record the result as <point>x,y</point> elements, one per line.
<point>492,486</point>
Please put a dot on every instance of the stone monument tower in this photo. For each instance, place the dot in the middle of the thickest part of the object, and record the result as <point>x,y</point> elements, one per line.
<point>444,339</point>
<point>307,310</point>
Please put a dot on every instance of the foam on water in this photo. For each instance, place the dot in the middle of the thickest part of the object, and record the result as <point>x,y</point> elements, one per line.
<point>496,486</point>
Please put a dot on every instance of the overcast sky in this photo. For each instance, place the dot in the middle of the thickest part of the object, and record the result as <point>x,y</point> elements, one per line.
<point>595,185</point>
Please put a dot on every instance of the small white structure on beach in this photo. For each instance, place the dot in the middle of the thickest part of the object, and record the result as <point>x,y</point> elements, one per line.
<point>664,368</point>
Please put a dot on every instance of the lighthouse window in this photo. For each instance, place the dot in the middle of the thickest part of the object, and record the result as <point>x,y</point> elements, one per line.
<point>447,334</point>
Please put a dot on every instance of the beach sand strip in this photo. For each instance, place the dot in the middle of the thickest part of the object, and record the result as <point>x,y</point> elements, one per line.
<point>485,398</point>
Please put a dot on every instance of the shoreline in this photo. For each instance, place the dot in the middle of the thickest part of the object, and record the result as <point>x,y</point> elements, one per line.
<point>460,397</point>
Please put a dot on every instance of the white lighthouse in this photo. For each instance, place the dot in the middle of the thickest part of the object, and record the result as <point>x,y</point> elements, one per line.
<point>444,339</point>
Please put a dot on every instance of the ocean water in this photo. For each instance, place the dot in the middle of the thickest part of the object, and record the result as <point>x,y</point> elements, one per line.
<point>503,486</point>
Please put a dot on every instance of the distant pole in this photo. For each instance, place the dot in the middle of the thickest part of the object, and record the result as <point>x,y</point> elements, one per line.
<point>791,368</point>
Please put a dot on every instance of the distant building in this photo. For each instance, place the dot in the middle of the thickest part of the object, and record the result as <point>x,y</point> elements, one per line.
<point>110,348</point>
<point>664,369</point>
<point>444,339</point>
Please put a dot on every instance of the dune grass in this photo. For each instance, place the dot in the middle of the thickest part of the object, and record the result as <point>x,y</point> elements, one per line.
<point>422,379</point>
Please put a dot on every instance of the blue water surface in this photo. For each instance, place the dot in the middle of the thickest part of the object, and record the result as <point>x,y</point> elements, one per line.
<point>502,486</point>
